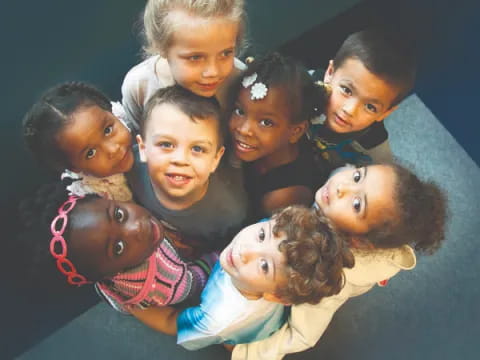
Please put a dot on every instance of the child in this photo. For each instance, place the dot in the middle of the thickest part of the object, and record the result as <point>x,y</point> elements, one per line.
<point>191,43</point>
<point>118,245</point>
<point>273,104</point>
<point>179,149</point>
<point>371,73</point>
<point>292,258</point>
<point>75,127</point>
<point>381,208</point>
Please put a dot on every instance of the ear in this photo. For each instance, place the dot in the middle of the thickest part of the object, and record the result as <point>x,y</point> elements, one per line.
<point>273,298</point>
<point>359,242</point>
<point>218,157</point>
<point>386,113</point>
<point>329,72</point>
<point>297,131</point>
<point>141,148</point>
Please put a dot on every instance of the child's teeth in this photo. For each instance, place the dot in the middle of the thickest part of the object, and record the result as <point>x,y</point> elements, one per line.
<point>244,145</point>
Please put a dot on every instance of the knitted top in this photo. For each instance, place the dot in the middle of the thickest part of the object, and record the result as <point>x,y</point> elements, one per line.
<point>163,279</point>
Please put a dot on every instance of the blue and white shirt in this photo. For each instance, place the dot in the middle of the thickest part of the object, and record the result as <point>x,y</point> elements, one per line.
<point>226,316</point>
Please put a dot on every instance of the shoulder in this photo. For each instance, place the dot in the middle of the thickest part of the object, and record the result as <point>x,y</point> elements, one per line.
<point>149,75</point>
<point>141,70</point>
<point>295,194</point>
<point>299,172</point>
<point>375,135</point>
<point>379,265</point>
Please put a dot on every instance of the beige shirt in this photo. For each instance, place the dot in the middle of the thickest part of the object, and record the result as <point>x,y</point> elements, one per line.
<point>300,332</point>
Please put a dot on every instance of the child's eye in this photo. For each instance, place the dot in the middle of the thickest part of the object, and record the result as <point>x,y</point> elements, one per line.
<point>345,90</point>
<point>198,149</point>
<point>357,176</point>
<point>261,235</point>
<point>264,266</point>
<point>119,247</point>
<point>371,108</point>
<point>195,57</point>
<point>239,112</point>
<point>357,205</point>
<point>227,53</point>
<point>165,144</point>
<point>266,123</point>
<point>108,130</point>
<point>119,214</point>
<point>90,153</point>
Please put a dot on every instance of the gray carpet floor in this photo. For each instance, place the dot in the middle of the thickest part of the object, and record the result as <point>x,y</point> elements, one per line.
<point>422,314</point>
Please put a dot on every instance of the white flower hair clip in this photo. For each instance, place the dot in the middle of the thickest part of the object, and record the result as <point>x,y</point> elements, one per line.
<point>258,90</point>
<point>249,80</point>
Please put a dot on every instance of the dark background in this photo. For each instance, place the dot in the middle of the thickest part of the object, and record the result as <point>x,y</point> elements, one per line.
<point>47,42</point>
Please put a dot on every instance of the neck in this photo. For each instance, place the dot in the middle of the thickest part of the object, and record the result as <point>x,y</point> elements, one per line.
<point>282,156</point>
<point>179,203</point>
<point>246,294</point>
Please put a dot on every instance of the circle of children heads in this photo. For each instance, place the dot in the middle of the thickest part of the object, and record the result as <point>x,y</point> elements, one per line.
<point>264,114</point>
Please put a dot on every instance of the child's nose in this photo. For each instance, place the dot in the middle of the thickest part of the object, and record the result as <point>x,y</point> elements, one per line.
<point>179,157</point>
<point>211,69</point>
<point>350,106</point>
<point>249,253</point>
<point>112,149</point>
<point>342,189</point>
<point>244,127</point>
<point>133,228</point>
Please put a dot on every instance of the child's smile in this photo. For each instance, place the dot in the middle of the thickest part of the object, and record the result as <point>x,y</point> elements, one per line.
<point>261,128</point>
<point>181,153</point>
<point>254,261</point>
<point>358,99</point>
<point>202,51</point>
<point>120,235</point>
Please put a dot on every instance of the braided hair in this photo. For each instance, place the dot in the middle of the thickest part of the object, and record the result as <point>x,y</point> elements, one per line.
<point>36,213</point>
<point>48,116</point>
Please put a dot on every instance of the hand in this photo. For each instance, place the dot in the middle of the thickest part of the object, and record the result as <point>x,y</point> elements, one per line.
<point>229,347</point>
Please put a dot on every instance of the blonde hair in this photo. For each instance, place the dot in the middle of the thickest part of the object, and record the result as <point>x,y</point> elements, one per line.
<point>158,28</point>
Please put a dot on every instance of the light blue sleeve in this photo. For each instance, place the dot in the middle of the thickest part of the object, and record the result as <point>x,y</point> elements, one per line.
<point>196,329</point>
<point>199,326</point>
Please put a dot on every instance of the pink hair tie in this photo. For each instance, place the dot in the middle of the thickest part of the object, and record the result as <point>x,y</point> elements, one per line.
<point>64,265</point>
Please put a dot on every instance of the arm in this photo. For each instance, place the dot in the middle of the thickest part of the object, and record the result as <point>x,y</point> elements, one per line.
<point>281,198</point>
<point>163,319</point>
<point>302,331</point>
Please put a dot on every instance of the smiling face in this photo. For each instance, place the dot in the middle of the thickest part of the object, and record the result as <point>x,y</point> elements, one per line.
<point>181,153</point>
<point>261,129</point>
<point>96,142</point>
<point>254,262</point>
<point>355,200</point>
<point>107,237</point>
<point>201,51</point>
<point>358,98</point>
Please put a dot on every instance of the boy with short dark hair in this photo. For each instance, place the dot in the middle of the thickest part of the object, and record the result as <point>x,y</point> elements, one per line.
<point>371,73</point>
<point>174,175</point>
<point>295,257</point>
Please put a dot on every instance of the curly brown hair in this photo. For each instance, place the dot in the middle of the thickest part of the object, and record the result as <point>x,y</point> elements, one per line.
<point>314,253</point>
